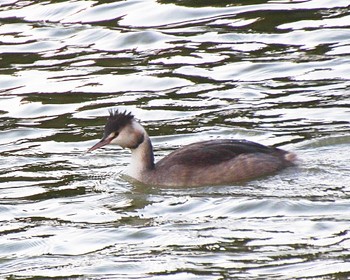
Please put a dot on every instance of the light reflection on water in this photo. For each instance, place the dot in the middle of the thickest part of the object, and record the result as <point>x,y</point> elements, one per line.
<point>273,72</point>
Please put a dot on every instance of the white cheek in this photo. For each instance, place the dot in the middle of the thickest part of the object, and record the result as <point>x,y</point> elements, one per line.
<point>123,139</point>
<point>115,141</point>
<point>129,137</point>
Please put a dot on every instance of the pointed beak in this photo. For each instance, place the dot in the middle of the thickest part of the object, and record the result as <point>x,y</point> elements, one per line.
<point>100,144</point>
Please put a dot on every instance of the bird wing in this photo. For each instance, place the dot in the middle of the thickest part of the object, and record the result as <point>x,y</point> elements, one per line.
<point>214,152</point>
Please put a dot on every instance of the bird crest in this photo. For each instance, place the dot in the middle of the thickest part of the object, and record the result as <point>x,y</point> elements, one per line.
<point>117,120</point>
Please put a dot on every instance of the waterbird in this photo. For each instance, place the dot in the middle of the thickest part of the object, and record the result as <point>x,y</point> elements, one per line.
<point>205,163</point>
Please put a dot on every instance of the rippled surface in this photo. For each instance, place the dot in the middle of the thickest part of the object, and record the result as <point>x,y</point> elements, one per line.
<point>276,72</point>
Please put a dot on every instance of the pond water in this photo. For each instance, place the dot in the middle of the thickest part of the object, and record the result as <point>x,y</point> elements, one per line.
<point>274,72</point>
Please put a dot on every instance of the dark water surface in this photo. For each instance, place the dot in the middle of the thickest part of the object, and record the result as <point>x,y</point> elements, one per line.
<point>275,72</point>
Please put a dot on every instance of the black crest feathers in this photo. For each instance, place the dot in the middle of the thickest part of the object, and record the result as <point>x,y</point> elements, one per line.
<point>116,121</point>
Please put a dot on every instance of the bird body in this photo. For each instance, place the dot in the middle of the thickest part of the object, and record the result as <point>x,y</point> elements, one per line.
<point>212,162</point>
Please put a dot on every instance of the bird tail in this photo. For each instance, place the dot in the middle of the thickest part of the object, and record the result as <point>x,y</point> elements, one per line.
<point>291,158</point>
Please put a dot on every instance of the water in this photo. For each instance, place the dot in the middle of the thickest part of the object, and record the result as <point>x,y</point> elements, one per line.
<point>274,72</point>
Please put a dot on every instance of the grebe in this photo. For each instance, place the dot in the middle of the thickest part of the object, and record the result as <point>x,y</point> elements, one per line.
<point>213,162</point>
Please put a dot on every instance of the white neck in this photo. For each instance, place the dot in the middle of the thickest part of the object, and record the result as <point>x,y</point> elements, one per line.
<point>142,159</point>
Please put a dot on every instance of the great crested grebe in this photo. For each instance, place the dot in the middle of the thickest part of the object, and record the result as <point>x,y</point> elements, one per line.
<point>213,162</point>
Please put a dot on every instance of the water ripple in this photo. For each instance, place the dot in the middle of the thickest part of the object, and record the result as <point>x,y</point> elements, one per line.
<point>274,72</point>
